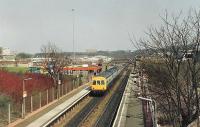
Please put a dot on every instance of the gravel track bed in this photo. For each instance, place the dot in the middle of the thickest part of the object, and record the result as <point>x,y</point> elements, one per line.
<point>71,114</point>
<point>110,110</point>
<point>93,110</point>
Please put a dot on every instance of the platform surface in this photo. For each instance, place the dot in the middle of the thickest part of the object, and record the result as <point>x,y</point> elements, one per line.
<point>58,109</point>
<point>130,112</point>
<point>134,116</point>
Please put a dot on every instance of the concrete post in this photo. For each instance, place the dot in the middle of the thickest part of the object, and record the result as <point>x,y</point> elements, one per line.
<point>52,93</point>
<point>65,87</point>
<point>24,106</point>
<point>40,100</point>
<point>22,110</point>
<point>73,84</point>
<point>62,90</point>
<point>57,92</point>
<point>8,113</point>
<point>31,103</point>
<point>47,96</point>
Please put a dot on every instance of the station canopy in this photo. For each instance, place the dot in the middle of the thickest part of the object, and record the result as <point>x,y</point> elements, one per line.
<point>80,68</point>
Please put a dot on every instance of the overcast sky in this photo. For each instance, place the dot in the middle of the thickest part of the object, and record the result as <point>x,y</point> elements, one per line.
<point>25,25</point>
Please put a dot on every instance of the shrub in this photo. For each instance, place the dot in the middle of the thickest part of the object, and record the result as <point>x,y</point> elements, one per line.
<point>11,84</point>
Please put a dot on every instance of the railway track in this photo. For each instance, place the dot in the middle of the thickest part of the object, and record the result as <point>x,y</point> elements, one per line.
<point>108,104</point>
<point>108,116</point>
<point>78,110</point>
<point>84,114</point>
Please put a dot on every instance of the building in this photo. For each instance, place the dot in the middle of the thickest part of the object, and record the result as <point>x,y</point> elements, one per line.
<point>7,55</point>
<point>91,50</point>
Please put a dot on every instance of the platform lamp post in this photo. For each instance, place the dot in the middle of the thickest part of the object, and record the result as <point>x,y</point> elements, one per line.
<point>154,109</point>
<point>74,55</point>
<point>24,96</point>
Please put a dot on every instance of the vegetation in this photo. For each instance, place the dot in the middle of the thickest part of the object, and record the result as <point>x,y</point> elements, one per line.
<point>23,55</point>
<point>174,82</point>
<point>4,100</point>
<point>1,50</point>
<point>11,84</point>
<point>21,70</point>
<point>54,61</point>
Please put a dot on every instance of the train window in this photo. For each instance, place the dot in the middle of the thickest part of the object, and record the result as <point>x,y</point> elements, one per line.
<point>94,82</point>
<point>102,82</point>
<point>98,82</point>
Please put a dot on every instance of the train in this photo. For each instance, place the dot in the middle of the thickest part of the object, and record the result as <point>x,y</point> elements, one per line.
<point>101,83</point>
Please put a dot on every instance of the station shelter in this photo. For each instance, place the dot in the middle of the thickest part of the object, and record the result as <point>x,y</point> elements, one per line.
<point>76,70</point>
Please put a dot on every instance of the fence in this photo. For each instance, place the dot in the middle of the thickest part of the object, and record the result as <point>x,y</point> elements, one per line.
<point>10,112</point>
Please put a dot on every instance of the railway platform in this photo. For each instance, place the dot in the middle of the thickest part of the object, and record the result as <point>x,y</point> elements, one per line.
<point>130,112</point>
<point>43,116</point>
<point>47,118</point>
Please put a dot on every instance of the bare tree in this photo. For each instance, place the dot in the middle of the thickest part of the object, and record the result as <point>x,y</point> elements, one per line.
<point>54,60</point>
<point>177,87</point>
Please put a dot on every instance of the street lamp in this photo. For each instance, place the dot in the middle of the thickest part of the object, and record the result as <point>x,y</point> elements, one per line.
<point>24,96</point>
<point>74,57</point>
<point>154,110</point>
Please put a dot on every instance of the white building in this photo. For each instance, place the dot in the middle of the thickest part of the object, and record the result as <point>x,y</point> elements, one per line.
<point>7,55</point>
<point>95,59</point>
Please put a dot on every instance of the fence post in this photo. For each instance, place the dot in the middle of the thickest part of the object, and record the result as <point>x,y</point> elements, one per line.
<point>22,110</point>
<point>77,82</point>
<point>52,93</point>
<point>62,90</point>
<point>24,106</point>
<point>31,103</point>
<point>73,84</point>
<point>47,97</point>
<point>9,113</point>
<point>40,100</point>
<point>66,88</point>
<point>59,91</point>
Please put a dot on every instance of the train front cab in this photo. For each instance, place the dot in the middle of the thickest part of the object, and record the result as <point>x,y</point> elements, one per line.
<point>99,85</point>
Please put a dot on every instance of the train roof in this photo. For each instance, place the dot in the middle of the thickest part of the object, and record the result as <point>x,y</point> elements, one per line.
<point>108,72</point>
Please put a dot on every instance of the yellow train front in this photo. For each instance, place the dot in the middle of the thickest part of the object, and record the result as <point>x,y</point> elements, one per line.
<point>101,83</point>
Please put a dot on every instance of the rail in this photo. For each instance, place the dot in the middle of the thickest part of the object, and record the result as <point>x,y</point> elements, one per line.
<point>83,115</point>
<point>117,121</point>
<point>55,115</point>
<point>109,114</point>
